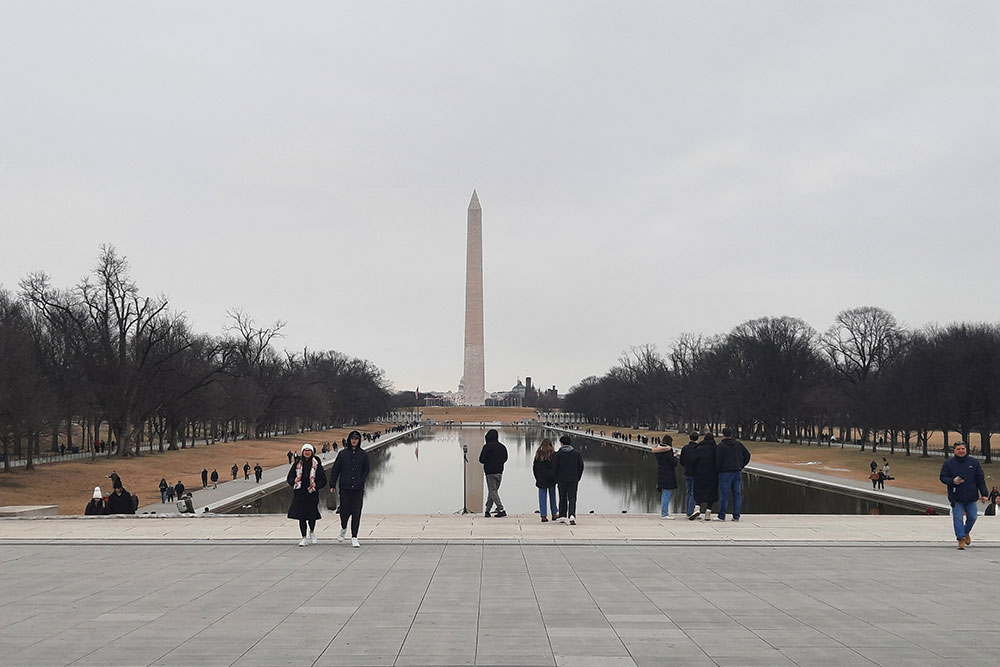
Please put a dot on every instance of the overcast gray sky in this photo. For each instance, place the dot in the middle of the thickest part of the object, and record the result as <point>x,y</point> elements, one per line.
<point>645,169</point>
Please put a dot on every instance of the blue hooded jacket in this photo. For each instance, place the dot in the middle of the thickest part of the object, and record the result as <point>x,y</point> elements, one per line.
<point>968,469</point>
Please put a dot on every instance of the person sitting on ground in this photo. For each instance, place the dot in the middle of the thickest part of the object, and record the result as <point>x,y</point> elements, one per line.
<point>96,506</point>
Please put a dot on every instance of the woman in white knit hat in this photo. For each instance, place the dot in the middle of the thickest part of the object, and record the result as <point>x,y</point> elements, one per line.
<point>306,477</point>
<point>96,505</point>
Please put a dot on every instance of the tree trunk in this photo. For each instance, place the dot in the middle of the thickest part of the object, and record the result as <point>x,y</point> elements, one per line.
<point>984,446</point>
<point>30,459</point>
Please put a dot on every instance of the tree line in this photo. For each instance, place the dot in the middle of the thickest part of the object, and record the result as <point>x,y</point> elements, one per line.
<point>867,379</point>
<point>102,357</point>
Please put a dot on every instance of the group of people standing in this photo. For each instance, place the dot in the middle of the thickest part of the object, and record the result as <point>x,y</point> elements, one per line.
<point>712,472</point>
<point>306,477</point>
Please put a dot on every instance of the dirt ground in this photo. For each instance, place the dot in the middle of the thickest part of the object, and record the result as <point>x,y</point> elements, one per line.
<point>478,414</point>
<point>70,484</point>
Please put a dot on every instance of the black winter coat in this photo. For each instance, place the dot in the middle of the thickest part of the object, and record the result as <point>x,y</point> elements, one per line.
<point>731,455</point>
<point>545,473</point>
<point>493,456</point>
<point>120,504</point>
<point>305,505</point>
<point>95,508</point>
<point>666,474</point>
<point>706,479</point>
<point>351,467</point>
<point>686,452</point>
<point>974,484</point>
<point>567,464</point>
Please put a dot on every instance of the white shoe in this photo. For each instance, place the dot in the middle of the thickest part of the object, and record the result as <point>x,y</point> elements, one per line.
<point>342,535</point>
<point>572,520</point>
<point>667,517</point>
<point>304,542</point>
<point>562,519</point>
<point>312,537</point>
<point>355,543</point>
<point>708,515</point>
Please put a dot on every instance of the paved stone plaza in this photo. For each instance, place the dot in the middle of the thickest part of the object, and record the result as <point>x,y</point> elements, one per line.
<point>196,602</point>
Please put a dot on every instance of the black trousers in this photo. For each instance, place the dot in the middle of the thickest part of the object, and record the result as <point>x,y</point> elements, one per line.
<point>351,501</point>
<point>567,498</point>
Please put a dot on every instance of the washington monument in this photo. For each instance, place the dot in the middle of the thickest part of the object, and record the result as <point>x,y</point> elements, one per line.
<point>474,378</point>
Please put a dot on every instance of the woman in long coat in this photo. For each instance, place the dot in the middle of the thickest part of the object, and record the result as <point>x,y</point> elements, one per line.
<point>306,477</point>
<point>706,477</point>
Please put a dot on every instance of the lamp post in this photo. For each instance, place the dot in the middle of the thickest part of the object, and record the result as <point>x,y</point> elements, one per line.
<point>465,478</point>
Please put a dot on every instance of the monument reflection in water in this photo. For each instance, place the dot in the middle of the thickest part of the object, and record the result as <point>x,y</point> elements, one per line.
<point>425,474</point>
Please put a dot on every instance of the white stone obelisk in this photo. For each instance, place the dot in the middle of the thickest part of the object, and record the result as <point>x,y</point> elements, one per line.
<point>474,379</point>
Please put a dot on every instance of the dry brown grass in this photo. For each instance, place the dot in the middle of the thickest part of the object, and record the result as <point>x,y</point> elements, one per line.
<point>70,484</point>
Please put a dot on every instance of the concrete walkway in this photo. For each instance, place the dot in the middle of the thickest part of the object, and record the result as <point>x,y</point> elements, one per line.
<point>577,604</point>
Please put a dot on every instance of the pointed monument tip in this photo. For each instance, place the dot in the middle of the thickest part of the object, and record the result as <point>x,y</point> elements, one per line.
<point>474,204</point>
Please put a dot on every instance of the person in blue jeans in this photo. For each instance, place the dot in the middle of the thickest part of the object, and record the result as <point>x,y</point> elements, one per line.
<point>666,476</point>
<point>686,461</point>
<point>730,459</point>
<point>545,479</point>
<point>966,484</point>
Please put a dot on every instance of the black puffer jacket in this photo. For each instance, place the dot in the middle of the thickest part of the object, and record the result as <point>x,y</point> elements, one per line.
<point>545,474</point>
<point>666,473</point>
<point>494,454</point>
<point>351,468</point>
<point>120,504</point>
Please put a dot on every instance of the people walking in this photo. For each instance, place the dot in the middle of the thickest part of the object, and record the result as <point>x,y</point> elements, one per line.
<point>731,456</point>
<point>568,468</point>
<point>306,477</point>
<point>350,468</point>
<point>257,472</point>
<point>493,456</point>
<point>204,478</point>
<point>179,489</point>
<point>246,471</point>
<point>706,478</point>
<point>966,484</point>
<point>163,489</point>
<point>686,461</point>
<point>666,473</point>
<point>215,478</point>
<point>96,506</point>
<point>170,493</point>
<point>236,471</point>
<point>545,478</point>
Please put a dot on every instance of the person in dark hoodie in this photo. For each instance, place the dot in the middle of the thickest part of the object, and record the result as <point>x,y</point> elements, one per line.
<point>666,474</point>
<point>351,467</point>
<point>966,484</point>
<point>120,501</point>
<point>545,478</point>
<point>706,479</point>
<point>96,506</point>
<point>306,477</point>
<point>686,452</point>
<point>493,456</point>
<point>568,468</point>
<point>731,456</point>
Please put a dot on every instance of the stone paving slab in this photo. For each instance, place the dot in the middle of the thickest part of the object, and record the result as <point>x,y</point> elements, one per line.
<point>513,529</point>
<point>713,603</point>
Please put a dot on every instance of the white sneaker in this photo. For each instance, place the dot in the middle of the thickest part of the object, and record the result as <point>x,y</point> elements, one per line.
<point>572,520</point>
<point>304,542</point>
<point>312,538</point>
<point>695,514</point>
<point>562,519</point>
<point>667,517</point>
<point>708,515</point>
<point>355,543</point>
<point>342,535</point>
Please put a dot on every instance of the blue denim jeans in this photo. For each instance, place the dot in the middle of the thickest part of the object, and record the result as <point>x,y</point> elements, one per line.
<point>730,484</point>
<point>549,493</point>
<point>971,511</point>
<point>665,501</point>
<point>689,494</point>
